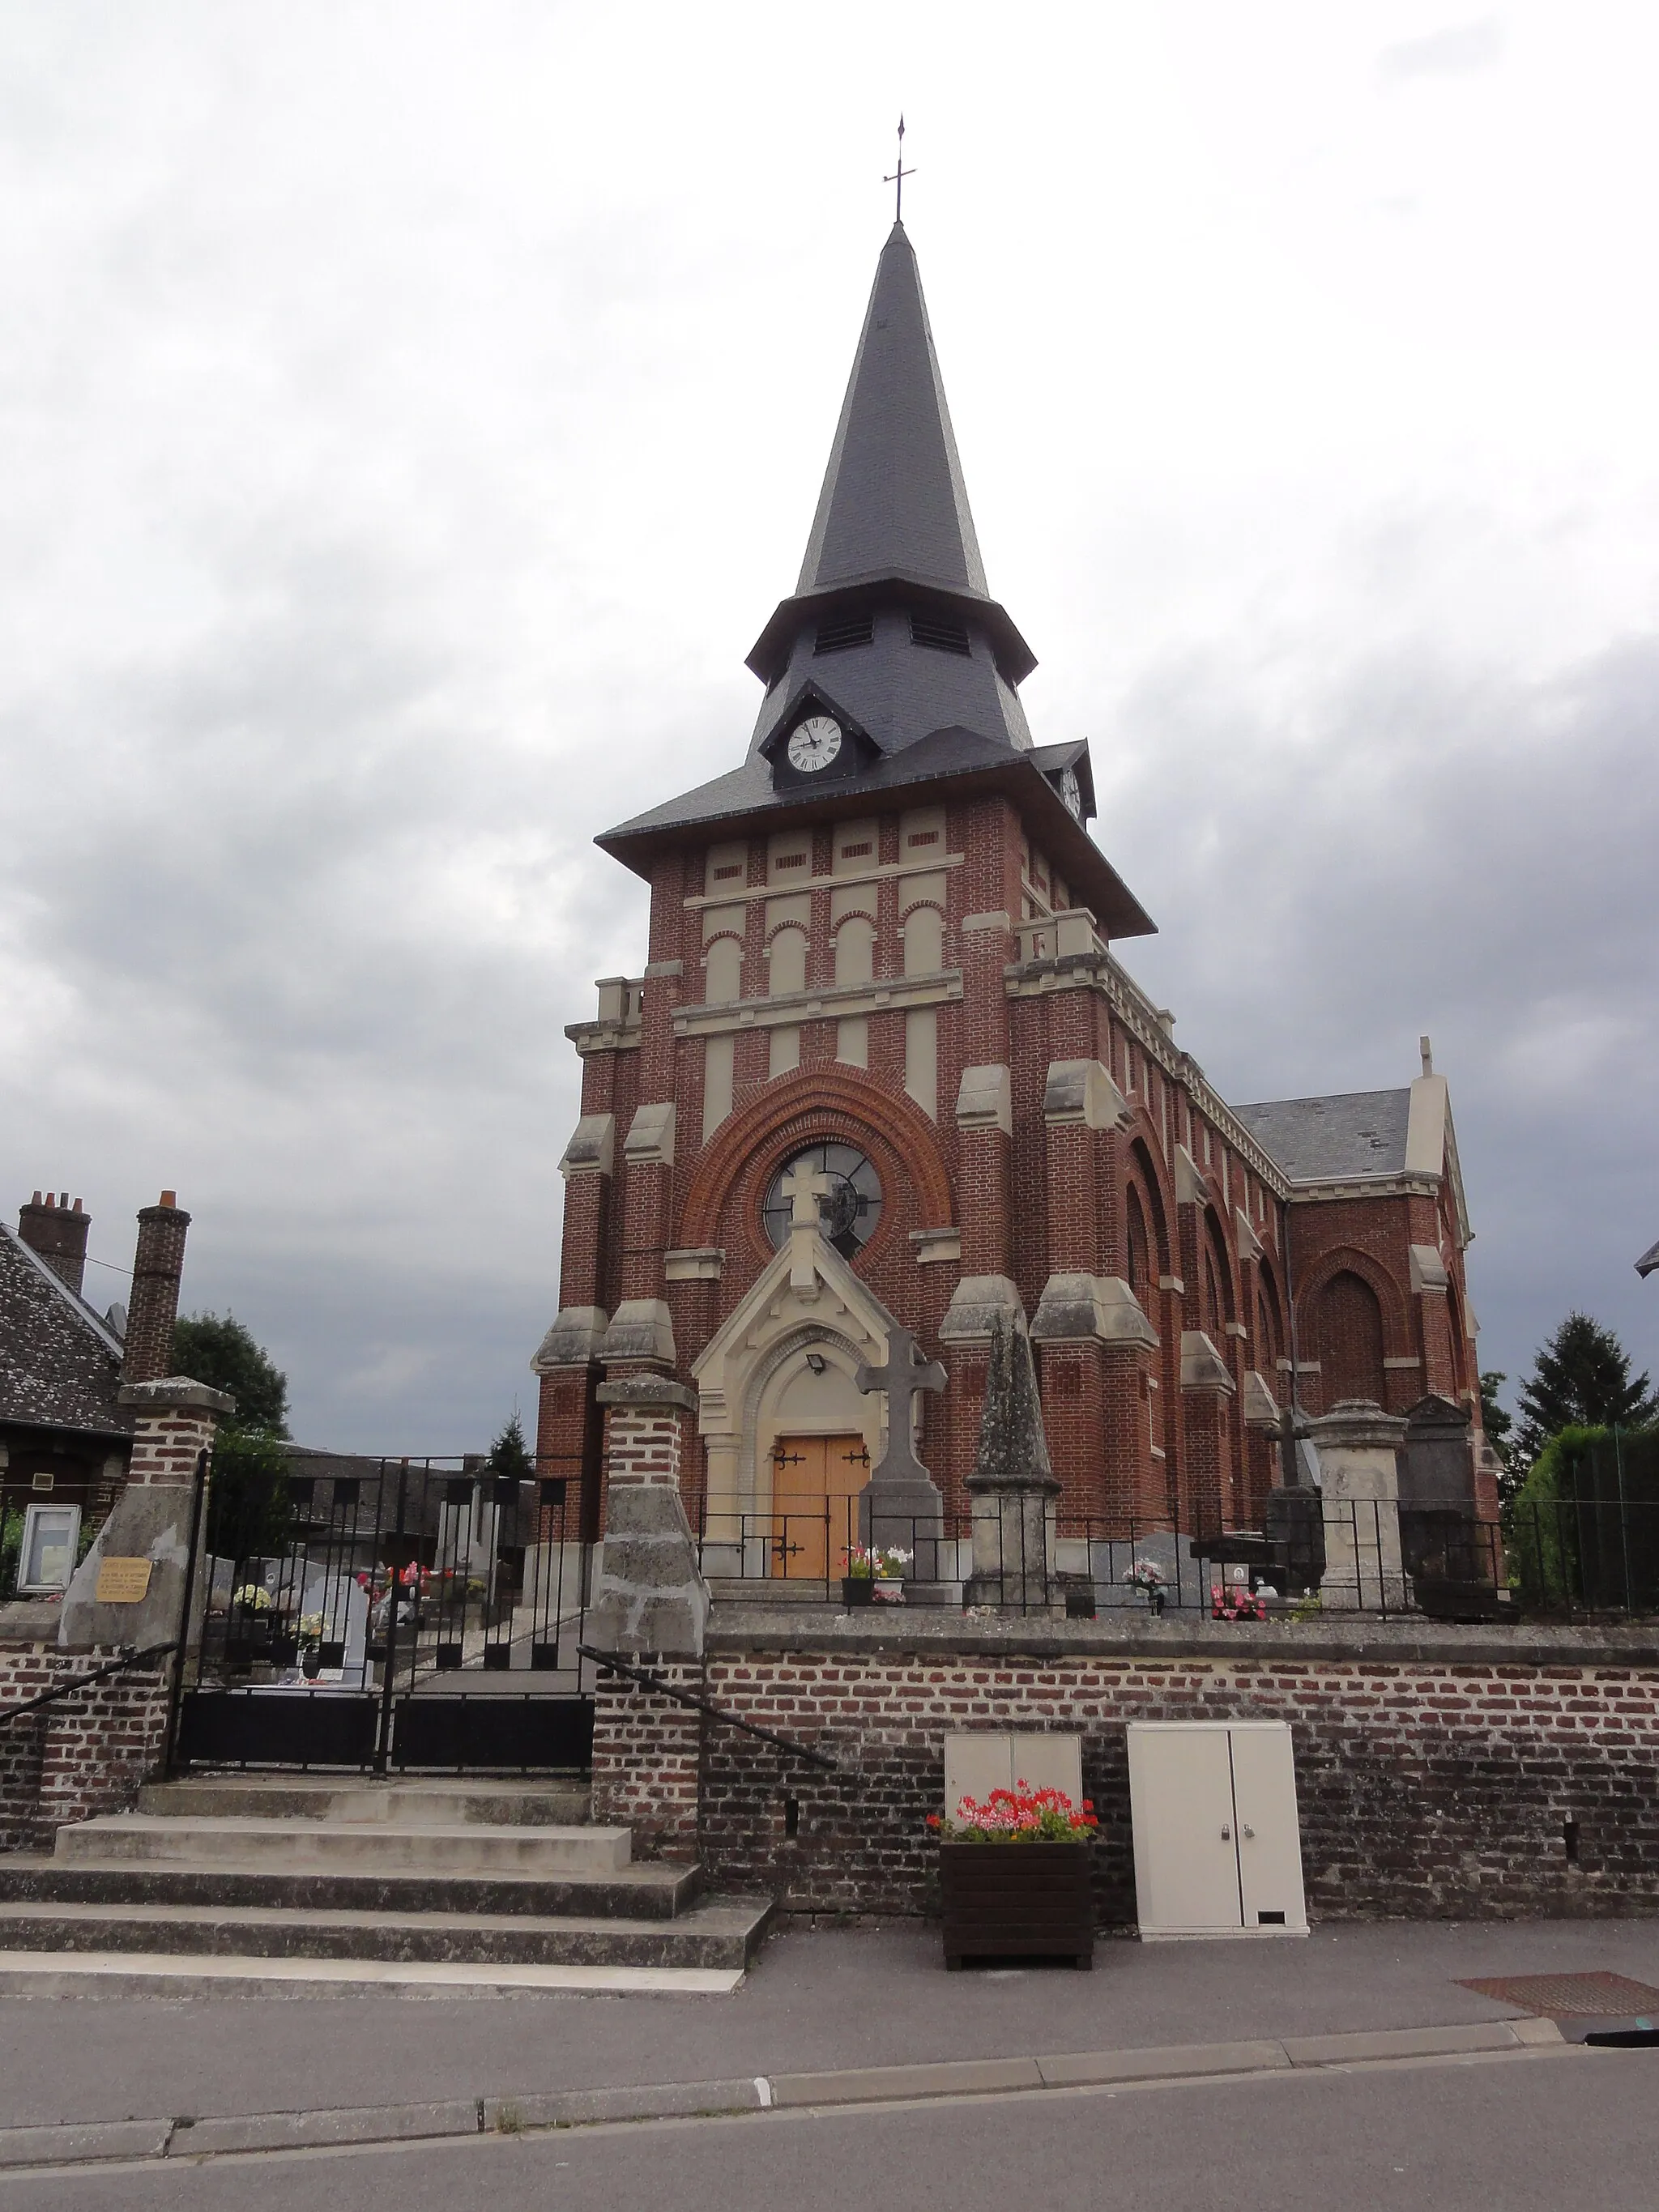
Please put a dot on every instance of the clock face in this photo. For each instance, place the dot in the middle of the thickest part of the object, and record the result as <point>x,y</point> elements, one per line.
<point>814,744</point>
<point>1070,791</point>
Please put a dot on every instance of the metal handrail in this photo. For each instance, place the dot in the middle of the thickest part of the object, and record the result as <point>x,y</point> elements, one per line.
<point>608,1663</point>
<point>60,1690</point>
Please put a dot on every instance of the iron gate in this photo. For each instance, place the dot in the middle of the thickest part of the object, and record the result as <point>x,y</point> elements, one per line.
<point>407,1616</point>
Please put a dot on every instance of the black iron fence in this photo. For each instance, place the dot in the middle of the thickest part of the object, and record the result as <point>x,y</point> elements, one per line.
<point>1583,1555</point>
<point>402,1615</point>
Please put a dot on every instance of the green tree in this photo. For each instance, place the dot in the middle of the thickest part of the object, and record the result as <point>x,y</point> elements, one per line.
<point>250,1512</point>
<point>510,1455</point>
<point>217,1350</point>
<point>1498,1422</point>
<point>1580,1378</point>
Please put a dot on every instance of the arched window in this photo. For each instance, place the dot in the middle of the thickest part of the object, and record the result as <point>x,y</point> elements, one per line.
<point>924,941</point>
<point>1140,1246</point>
<point>855,949</point>
<point>1348,1340</point>
<point>723,971</point>
<point>787,962</point>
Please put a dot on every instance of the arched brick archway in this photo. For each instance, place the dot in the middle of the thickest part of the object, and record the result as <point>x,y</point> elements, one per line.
<point>1348,1258</point>
<point>1146,1185</point>
<point>1347,1339</point>
<point>820,1104</point>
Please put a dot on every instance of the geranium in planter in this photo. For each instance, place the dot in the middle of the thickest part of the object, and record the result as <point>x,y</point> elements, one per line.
<point>873,1570</point>
<point>1014,1869</point>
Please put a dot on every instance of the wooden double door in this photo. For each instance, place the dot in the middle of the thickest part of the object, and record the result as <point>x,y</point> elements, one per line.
<point>816,1481</point>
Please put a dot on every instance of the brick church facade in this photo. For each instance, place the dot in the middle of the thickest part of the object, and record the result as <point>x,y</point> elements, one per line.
<point>884,945</point>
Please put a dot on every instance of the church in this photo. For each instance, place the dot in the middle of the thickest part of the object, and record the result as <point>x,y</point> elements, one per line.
<point>884,994</point>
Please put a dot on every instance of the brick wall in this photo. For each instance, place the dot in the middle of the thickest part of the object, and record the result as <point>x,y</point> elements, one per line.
<point>84,1755</point>
<point>1434,1781</point>
<point>646,1755</point>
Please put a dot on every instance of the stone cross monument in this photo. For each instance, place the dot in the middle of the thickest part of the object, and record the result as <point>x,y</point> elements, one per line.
<point>1013,1484</point>
<point>900,1503</point>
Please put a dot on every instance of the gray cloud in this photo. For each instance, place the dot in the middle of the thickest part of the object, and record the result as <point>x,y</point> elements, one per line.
<point>1454,51</point>
<point>393,479</point>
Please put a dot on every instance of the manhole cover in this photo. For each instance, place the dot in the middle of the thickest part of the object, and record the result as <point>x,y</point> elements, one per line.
<point>1568,1997</point>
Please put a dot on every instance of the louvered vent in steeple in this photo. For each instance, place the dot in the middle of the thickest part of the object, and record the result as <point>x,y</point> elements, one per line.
<point>842,632</point>
<point>939,634</point>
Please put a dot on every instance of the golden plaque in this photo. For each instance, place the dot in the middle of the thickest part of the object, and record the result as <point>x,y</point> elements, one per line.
<point>122,1582</point>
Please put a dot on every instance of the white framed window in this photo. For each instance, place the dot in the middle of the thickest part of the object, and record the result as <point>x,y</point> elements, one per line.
<point>51,1536</point>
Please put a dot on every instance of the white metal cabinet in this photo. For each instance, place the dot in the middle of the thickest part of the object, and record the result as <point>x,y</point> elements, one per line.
<point>1217,1849</point>
<point>978,1760</point>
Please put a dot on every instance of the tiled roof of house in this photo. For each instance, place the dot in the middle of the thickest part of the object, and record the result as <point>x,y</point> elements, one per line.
<point>60,1363</point>
<point>1357,1132</point>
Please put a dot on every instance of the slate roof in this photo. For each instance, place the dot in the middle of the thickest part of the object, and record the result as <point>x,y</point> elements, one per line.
<point>893,534</point>
<point>1357,1132</point>
<point>1648,1260</point>
<point>958,757</point>
<point>893,497</point>
<point>892,628</point>
<point>60,1363</point>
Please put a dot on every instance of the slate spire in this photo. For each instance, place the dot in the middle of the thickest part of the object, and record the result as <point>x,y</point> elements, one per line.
<point>893,501</point>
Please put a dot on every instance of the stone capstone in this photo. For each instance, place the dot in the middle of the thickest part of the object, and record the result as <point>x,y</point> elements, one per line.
<point>639,1329</point>
<point>1102,1308</point>
<point>649,1594</point>
<point>976,1305</point>
<point>576,1337</point>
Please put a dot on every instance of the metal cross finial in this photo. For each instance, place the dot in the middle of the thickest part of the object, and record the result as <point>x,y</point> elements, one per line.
<point>898,176</point>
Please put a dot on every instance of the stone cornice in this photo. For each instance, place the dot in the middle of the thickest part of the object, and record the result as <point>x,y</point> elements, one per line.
<point>1364,1186</point>
<point>741,892</point>
<point>928,1635</point>
<point>831,1001</point>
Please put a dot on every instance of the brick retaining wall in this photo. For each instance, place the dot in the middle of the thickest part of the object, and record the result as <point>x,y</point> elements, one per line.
<point>86,1754</point>
<point>1436,1778</point>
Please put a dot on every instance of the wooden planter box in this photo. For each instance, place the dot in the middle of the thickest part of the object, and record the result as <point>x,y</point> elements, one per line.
<point>1017,1901</point>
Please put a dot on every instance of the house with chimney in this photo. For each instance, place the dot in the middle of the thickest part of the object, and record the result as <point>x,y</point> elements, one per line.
<point>66,1438</point>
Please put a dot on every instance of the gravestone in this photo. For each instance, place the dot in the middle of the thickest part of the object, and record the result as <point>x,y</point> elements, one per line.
<point>1452,1561</point>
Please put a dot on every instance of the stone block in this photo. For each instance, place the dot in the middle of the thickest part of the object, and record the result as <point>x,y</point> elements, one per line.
<point>1098,1308</point>
<point>591,1148</point>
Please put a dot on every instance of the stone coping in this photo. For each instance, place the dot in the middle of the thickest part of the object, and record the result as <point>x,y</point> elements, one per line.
<point>29,1620</point>
<point>927,1632</point>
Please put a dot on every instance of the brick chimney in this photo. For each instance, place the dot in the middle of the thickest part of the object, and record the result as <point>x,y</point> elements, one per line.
<point>157,1265</point>
<point>57,1232</point>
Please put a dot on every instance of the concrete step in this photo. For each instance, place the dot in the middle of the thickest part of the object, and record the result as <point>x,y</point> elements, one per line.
<point>720,1933</point>
<point>175,1975</point>
<point>356,1800</point>
<point>650,1891</point>
<point>292,1844</point>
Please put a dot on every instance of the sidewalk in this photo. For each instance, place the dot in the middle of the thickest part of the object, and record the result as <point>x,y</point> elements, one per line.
<point>817,2001</point>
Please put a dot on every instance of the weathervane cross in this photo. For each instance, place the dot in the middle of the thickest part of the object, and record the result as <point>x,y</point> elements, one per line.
<point>898,176</point>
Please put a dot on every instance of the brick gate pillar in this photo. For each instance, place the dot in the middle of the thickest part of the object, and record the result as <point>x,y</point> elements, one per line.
<point>650,1601</point>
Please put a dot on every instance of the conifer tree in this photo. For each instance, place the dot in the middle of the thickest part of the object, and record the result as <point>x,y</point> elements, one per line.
<point>510,1455</point>
<point>1580,1378</point>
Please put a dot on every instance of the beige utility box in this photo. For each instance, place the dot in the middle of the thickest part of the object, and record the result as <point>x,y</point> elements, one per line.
<point>1218,1849</point>
<point>981,1761</point>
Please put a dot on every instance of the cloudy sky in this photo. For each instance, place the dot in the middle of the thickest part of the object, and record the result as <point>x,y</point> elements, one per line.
<point>410,413</point>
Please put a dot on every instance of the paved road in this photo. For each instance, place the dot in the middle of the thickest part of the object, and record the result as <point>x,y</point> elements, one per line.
<point>816,2001</point>
<point>1527,2134</point>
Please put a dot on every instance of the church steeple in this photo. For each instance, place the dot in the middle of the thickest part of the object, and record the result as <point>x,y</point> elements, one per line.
<point>893,501</point>
<point>892,585</point>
